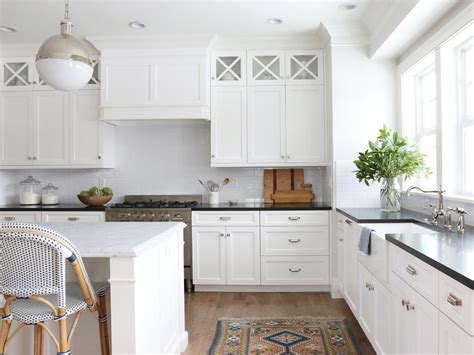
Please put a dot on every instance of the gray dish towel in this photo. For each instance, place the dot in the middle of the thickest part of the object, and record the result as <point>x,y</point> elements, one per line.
<point>364,241</point>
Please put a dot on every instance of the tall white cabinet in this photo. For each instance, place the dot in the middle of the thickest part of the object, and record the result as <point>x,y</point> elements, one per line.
<point>285,108</point>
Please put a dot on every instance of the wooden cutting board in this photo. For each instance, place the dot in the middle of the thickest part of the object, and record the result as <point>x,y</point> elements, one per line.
<point>284,180</point>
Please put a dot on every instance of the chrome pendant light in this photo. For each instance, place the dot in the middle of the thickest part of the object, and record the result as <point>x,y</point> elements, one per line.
<point>63,62</point>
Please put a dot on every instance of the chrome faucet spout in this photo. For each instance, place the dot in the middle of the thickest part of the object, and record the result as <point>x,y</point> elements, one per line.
<point>437,211</point>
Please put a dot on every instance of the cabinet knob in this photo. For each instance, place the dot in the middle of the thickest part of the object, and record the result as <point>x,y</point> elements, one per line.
<point>213,78</point>
<point>283,157</point>
<point>99,157</point>
<point>341,240</point>
<point>29,158</point>
<point>287,157</point>
<point>228,235</point>
<point>34,158</point>
<point>213,156</point>
<point>222,234</point>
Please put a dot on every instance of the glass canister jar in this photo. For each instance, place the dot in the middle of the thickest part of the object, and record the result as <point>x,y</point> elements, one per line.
<point>50,195</point>
<point>30,191</point>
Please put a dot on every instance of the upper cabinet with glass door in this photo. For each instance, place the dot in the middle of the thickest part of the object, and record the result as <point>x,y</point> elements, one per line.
<point>304,67</point>
<point>266,67</point>
<point>228,68</point>
<point>18,74</point>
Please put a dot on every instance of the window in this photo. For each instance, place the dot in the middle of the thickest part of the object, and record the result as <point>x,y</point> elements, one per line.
<point>465,71</point>
<point>437,113</point>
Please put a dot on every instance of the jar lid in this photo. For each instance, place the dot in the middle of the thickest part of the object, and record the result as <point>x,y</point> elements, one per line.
<point>31,181</point>
<point>50,186</point>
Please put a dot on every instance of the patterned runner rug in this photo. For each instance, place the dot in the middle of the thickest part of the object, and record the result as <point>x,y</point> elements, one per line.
<point>302,335</point>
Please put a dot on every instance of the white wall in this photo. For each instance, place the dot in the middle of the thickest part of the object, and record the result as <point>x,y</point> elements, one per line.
<point>163,158</point>
<point>364,95</point>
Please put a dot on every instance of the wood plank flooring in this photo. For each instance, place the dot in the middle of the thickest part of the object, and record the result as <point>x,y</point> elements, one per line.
<point>204,309</point>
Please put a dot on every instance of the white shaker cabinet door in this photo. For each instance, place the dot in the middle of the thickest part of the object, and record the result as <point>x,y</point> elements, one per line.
<point>305,124</point>
<point>304,67</point>
<point>243,255</point>
<point>266,124</point>
<point>366,301</point>
<point>51,128</point>
<point>229,125</point>
<point>453,339</point>
<point>351,274</point>
<point>209,255</point>
<point>86,129</point>
<point>20,216</point>
<point>16,110</point>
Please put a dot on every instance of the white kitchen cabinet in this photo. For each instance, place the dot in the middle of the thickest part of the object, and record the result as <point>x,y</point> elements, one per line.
<point>229,125</point>
<point>295,270</point>
<point>265,67</point>
<point>266,124</point>
<point>291,240</point>
<point>340,252</point>
<point>374,310</point>
<point>453,339</point>
<point>20,216</point>
<point>92,142</point>
<point>53,129</point>
<point>305,124</point>
<point>242,255</point>
<point>164,84</point>
<point>228,68</point>
<point>414,321</point>
<point>226,255</point>
<point>351,273</point>
<point>73,216</point>
<point>304,67</point>
<point>50,128</point>
<point>16,121</point>
<point>17,74</point>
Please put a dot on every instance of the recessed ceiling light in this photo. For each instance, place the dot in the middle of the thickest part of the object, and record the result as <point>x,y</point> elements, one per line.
<point>347,6</point>
<point>136,25</point>
<point>7,29</point>
<point>274,21</point>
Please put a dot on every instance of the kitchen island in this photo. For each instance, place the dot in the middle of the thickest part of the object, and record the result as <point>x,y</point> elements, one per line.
<point>143,263</point>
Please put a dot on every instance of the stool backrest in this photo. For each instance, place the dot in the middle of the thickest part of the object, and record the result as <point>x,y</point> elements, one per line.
<point>33,262</point>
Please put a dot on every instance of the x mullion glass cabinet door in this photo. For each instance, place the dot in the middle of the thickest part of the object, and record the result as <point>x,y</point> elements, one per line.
<point>304,67</point>
<point>265,67</point>
<point>17,74</point>
<point>228,68</point>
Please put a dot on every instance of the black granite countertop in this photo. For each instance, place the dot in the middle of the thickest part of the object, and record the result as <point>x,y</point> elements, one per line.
<point>451,252</point>
<point>261,207</point>
<point>62,207</point>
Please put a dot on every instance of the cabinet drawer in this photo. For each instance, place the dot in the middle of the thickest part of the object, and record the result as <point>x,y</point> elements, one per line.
<point>73,217</point>
<point>25,217</point>
<point>457,302</point>
<point>294,218</point>
<point>418,274</point>
<point>295,270</point>
<point>223,218</point>
<point>295,241</point>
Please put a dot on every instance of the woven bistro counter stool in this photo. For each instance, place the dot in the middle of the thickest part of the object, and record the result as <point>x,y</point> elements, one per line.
<point>33,283</point>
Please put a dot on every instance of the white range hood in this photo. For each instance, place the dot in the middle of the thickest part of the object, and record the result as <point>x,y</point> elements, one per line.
<point>154,78</point>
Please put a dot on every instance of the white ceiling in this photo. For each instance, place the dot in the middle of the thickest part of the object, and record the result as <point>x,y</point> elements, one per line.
<point>37,20</point>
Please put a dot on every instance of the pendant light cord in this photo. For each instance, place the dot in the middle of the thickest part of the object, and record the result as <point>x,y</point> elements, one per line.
<point>66,10</point>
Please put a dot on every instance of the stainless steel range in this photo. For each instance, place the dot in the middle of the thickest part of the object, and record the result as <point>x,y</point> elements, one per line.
<point>159,208</point>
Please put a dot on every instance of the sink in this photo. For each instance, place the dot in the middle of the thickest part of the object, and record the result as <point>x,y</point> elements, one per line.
<point>397,228</point>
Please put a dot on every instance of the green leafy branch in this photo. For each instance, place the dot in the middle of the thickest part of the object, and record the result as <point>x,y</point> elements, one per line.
<point>389,156</point>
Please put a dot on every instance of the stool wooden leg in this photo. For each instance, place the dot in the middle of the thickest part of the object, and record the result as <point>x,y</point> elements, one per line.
<point>38,340</point>
<point>5,325</point>
<point>63,334</point>
<point>103,325</point>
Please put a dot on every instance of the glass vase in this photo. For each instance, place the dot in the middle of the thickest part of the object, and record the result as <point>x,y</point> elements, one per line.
<point>390,195</point>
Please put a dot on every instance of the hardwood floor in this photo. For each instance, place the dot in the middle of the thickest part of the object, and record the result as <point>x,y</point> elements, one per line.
<point>204,309</point>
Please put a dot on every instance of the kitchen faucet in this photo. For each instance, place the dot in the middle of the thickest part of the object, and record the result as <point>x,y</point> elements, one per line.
<point>437,211</point>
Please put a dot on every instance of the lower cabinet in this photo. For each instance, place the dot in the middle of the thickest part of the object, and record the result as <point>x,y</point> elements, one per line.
<point>226,255</point>
<point>414,321</point>
<point>20,216</point>
<point>88,217</point>
<point>374,310</point>
<point>453,339</point>
<point>351,275</point>
<point>295,270</point>
<point>340,253</point>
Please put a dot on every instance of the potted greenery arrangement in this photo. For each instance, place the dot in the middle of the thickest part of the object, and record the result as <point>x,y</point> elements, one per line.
<point>388,158</point>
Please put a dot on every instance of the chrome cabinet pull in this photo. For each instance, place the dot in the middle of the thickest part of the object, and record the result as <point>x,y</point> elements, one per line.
<point>341,240</point>
<point>349,222</point>
<point>294,270</point>
<point>73,219</point>
<point>222,234</point>
<point>294,240</point>
<point>410,307</point>
<point>454,300</point>
<point>228,235</point>
<point>294,218</point>
<point>369,286</point>
<point>411,270</point>
<point>9,218</point>
<point>404,303</point>
<point>225,218</point>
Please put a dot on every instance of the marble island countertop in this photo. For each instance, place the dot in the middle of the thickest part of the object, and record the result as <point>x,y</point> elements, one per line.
<point>451,252</point>
<point>114,239</point>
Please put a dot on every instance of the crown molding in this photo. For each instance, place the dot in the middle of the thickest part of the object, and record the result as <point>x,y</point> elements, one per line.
<point>348,34</point>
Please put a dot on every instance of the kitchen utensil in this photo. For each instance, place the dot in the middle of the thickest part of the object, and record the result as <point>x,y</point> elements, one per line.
<point>225,182</point>
<point>213,187</point>
<point>204,185</point>
<point>94,200</point>
<point>293,196</point>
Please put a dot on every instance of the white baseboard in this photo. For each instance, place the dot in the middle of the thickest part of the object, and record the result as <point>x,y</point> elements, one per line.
<point>179,344</point>
<point>238,288</point>
<point>335,292</point>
